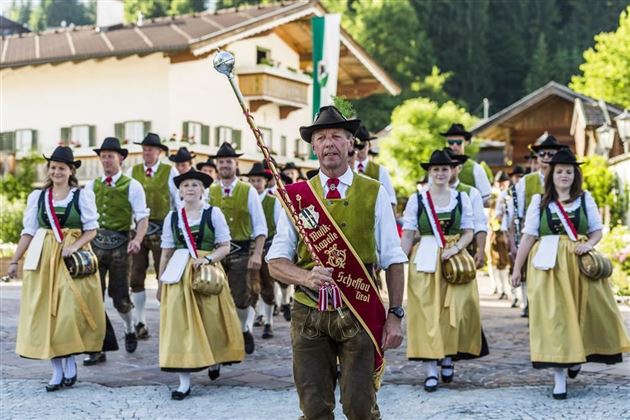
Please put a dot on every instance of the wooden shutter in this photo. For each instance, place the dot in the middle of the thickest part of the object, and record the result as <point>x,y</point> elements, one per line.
<point>236,139</point>
<point>92,140</point>
<point>185,130</point>
<point>217,139</point>
<point>205,135</point>
<point>147,127</point>
<point>7,141</point>
<point>34,140</point>
<point>119,132</point>
<point>65,135</point>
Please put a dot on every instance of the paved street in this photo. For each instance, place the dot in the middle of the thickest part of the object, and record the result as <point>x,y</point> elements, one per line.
<point>501,385</point>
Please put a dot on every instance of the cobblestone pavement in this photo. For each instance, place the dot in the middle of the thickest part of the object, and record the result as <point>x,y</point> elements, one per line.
<point>501,385</point>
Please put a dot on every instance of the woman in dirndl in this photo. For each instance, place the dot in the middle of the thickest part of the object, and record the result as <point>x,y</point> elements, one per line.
<point>443,319</point>
<point>59,316</point>
<point>197,331</point>
<point>573,319</point>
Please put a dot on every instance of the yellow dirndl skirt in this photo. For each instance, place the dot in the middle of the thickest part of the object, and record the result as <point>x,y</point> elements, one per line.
<point>197,331</point>
<point>443,319</point>
<point>572,319</point>
<point>59,316</point>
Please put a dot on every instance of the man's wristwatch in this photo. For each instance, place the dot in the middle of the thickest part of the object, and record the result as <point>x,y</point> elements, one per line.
<point>398,311</point>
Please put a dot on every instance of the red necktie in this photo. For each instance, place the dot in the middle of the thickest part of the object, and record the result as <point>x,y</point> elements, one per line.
<point>226,192</point>
<point>149,172</point>
<point>360,167</point>
<point>333,188</point>
<point>108,181</point>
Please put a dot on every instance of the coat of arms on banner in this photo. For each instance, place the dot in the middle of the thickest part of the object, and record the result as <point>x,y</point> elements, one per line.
<point>336,257</point>
<point>309,217</point>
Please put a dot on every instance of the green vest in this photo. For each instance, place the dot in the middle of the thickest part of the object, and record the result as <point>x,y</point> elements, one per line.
<point>450,221</point>
<point>115,210</point>
<point>204,241</point>
<point>550,223</point>
<point>268,204</point>
<point>156,189</point>
<point>467,175</point>
<point>461,187</point>
<point>373,170</point>
<point>69,216</point>
<point>235,209</point>
<point>532,186</point>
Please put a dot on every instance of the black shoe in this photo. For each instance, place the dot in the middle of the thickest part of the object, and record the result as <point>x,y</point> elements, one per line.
<point>573,373</point>
<point>131,342</point>
<point>176,395</point>
<point>94,358</point>
<point>286,311</point>
<point>68,382</point>
<point>142,332</point>
<point>214,374</point>
<point>259,322</point>
<point>249,342</point>
<point>561,396</point>
<point>267,332</point>
<point>525,313</point>
<point>503,296</point>
<point>514,303</point>
<point>431,388</point>
<point>54,387</point>
<point>448,378</point>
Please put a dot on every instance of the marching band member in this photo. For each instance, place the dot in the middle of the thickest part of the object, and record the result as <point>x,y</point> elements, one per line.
<point>59,316</point>
<point>209,167</point>
<point>573,319</point>
<point>197,330</point>
<point>444,318</point>
<point>182,160</point>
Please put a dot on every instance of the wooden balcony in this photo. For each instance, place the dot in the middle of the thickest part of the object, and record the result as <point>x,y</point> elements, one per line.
<point>265,84</point>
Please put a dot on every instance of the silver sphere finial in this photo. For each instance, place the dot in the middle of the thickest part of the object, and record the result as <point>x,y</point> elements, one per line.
<point>224,63</point>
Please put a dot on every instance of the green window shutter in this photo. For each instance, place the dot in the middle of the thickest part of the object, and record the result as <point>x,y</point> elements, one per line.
<point>7,141</point>
<point>119,131</point>
<point>236,139</point>
<point>185,130</point>
<point>65,135</point>
<point>92,135</point>
<point>34,140</point>
<point>217,140</point>
<point>205,135</point>
<point>147,127</point>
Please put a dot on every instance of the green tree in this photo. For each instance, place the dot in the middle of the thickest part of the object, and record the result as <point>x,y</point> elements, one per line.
<point>180,7</point>
<point>606,69</point>
<point>540,70</point>
<point>52,13</point>
<point>416,125</point>
<point>20,11</point>
<point>148,8</point>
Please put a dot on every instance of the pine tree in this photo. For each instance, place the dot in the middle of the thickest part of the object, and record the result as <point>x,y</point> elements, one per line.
<point>20,11</point>
<point>540,71</point>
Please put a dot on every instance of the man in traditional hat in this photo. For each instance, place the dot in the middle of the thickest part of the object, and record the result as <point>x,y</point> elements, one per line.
<point>531,184</point>
<point>244,214</point>
<point>480,229</point>
<point>120,200</point>
<point>472,173</point>
<point>292,171</point>
<point>161,195</point>
<point>516,174</point>
<point>322,328</point>
<point>209,168</point>
<point>370,168</point>
<point>262,283</point>
<point>183,160</point>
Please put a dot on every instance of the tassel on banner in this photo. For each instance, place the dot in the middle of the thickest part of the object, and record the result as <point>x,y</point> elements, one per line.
<point>329,294</point>
<point>323,298</point>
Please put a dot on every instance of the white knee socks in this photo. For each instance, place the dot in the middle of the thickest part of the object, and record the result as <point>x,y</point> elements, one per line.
<point>524,291</point>
<point>139,300</point>
<point>267,311</point>
<point>505,281</point>
<point>70,368</point>
<point>128,320</point>
<point>560,381</point>
<point>57,374</point>
<point>287,292</point>
<point>251,316</point>
<point>431,369</point>
<point>242,316</point>
<point>184,381</point>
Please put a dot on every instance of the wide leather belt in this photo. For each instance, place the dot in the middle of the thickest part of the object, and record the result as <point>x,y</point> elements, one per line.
<point>110,239</point>
<point>155,228</point>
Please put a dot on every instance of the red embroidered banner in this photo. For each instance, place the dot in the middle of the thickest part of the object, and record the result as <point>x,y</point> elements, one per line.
<point>357,287</point>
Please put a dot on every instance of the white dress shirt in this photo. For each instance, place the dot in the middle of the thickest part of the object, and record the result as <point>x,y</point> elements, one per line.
<point>136,196</point>
<point>383,178</point>
<point>87,204</point>
<point>410,215</point>
<point>387,241</point>
<point>221,228</point>
<point>481,181</point>
<point>174,192</point>
<point>532,219</point>
<point>480,220</point>
<point>504,209</point>
<point>520,194</point>
<point>277,207</point>
<point>256,212</point>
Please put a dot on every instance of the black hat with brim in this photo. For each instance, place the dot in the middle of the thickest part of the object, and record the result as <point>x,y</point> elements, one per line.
<point>290,165</point>
<point>460,158</point>
<point>457,129</point>
<point>226,151</point>
<point>205,179</point>
<point>518,170</point>
<point>259,170</point>
<point>502,177</point>
<point>329,117</point>
<point>112,144</point>
<point>152,139</point>
<point>209,162</point>
<point>550,142</point>
<point>363,134</point>
<point>564,156</point>
<point>439,158</point>
<point>182,155</point>
<point>63,154</point>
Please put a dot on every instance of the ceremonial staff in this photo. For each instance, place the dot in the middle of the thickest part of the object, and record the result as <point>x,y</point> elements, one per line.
<point>224,63</point>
